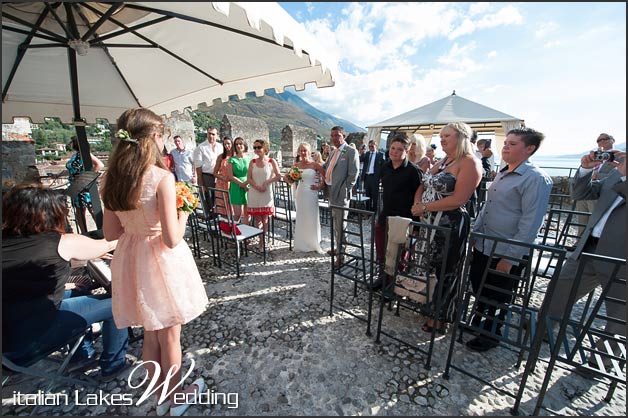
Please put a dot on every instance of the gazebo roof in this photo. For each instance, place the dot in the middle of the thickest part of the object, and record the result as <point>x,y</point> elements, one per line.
<point>452,108</point>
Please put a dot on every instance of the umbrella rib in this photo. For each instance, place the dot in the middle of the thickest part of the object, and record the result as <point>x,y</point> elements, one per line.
<point>21,51</point>
<point>136,27</point>
<point>166,50</point>
<point>30,33</point>
<point>71,22</point>
<point>57,18</point>
<point>208,23</point>
<point>32,26</point>
<point>102,20</point>
<point>113,62</point>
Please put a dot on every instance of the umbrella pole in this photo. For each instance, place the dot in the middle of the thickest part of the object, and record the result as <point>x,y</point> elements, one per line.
<point>81,136</point>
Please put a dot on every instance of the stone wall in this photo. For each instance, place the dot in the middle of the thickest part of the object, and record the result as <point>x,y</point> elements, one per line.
<point>18,161</point>
<point>250,129</point>
<point>291,137</point>
<point>180,124</point>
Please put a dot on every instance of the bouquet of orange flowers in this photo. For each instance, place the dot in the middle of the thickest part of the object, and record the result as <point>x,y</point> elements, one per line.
<point>295,174</point>
<point>186,201</point>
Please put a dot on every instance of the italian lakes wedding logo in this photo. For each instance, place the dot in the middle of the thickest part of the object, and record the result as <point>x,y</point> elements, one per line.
<point>207,397</point>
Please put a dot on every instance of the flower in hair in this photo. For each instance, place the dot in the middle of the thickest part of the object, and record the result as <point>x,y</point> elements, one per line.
<point>125,136</point>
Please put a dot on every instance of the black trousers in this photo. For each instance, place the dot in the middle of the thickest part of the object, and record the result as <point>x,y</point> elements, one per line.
<point>506,287</point>
<point>209,181</point>
<point>371,187</point>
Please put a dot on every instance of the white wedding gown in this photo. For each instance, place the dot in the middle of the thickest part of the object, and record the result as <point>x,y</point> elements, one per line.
<point>307,236</point>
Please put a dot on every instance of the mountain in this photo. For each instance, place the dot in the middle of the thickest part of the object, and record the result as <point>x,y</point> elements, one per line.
<point>621,147</point>
<point>279,110</point>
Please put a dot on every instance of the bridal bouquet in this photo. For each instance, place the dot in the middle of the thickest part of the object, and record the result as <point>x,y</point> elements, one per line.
<point>186,201</point>
<point>295,174</point>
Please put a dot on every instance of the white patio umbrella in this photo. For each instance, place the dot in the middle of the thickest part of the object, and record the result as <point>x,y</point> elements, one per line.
<point>85,60</point>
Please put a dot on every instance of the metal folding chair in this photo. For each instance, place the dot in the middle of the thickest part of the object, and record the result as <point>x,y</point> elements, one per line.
<point>582,341</point>
<point>355,260</point>
<point>285,213</point>
<point>517,318</point>
<point>419,281</point>
<point>230,231</point>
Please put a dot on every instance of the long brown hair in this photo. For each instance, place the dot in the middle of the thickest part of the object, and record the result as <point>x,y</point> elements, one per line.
<point>131,158</point>
<point>29,209</point>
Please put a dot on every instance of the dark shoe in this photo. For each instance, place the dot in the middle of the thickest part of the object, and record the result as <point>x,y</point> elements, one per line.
<point>377,284</point>
<point>441,328</point>
<point>330,252</point>
<point>338,261</point>
<point>482,343</point>
<point>108,377</point>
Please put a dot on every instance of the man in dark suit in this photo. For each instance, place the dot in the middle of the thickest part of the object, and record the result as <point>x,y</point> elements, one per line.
<point>373,161</point>
<point>605,234</point>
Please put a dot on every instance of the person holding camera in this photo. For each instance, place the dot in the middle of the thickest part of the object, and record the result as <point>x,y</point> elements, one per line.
<point>603,235</point>
<point>600,172</point>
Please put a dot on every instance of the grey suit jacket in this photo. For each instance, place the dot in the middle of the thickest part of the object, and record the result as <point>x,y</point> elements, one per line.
<point>344,174</point>
<point>612,242</point>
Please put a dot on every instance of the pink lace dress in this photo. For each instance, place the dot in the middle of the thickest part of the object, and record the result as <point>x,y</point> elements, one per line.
<point>152,285</point>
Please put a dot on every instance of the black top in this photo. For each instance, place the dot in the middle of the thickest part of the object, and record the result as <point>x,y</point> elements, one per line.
<point>399,186</point>
<point>33,281</point>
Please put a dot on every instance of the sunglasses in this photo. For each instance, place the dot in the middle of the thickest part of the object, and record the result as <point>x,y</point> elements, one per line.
<point>603,139</point>
<point>257,147</point>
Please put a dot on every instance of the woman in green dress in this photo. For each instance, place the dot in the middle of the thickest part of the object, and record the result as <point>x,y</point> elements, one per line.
<point>237,170</point>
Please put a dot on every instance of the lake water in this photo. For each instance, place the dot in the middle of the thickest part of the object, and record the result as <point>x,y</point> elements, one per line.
<point>556,166</point>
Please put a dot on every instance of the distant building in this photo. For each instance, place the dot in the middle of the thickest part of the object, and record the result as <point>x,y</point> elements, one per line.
<point>19,130</point>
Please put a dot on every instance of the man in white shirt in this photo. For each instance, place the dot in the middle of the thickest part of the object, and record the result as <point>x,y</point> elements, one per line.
<point>183,161</point>
<point>205,156</point>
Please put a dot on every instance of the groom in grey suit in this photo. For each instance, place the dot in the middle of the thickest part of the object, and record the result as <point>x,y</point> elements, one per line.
<point>341,173</point>
<point>605,234</point>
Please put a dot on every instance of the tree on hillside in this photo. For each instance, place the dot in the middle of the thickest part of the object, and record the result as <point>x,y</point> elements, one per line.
<point>202,121</point>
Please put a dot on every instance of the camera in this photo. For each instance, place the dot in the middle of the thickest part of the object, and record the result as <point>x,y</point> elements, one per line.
<point>603,156</point>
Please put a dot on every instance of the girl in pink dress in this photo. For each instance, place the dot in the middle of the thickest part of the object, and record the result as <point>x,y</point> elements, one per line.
<point>263,171</point>
<point>155,282</point>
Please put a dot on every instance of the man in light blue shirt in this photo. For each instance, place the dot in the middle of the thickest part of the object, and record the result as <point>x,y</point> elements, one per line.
<point>183,161</point>
<point>515,206</point>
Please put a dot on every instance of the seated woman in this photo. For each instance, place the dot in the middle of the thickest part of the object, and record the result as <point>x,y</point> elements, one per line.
<point>36,254</point>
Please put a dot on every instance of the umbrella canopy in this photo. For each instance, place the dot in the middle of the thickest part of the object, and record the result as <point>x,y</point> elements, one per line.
<point>429,119</point>
<point>87,60</point>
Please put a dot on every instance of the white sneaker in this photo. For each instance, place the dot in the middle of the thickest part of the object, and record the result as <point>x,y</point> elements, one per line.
<point>178,410</point>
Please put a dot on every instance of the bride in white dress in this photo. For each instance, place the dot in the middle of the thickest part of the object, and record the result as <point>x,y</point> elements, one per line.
<point>307,236</point>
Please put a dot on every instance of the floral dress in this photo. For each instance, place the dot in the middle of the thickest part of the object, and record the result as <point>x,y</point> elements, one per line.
<point>436,187</point>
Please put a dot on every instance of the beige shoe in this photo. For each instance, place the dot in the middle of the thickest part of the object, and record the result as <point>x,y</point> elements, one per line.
<point>178,410</point>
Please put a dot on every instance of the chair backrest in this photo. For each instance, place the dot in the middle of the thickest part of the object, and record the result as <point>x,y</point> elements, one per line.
<point>526,295</point>
<point>222,214</point>
<point>284,204</point>
<point>418,266</point>
<point>562,228</point>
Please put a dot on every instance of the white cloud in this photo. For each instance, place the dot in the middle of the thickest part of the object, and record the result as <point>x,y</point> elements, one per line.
<point>394,57</point>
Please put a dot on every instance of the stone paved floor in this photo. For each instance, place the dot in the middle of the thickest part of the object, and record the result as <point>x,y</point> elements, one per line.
<point>268,337</point>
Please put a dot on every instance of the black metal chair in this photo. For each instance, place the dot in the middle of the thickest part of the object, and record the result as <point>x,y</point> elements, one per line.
<point>507,315</point>
<point>415,285</point>
<point>200,224</point>
<point>355,260</point>
<point>230,231</point>
<point>582,342</point>
<point>13,366</point>
<point>323,208</point>
<point>285,213</point>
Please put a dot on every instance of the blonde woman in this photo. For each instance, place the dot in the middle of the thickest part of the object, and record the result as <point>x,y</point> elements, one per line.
<point>416,153</point>
<point>440,200</point>
<point>307,235</point>
<point>263,171</point>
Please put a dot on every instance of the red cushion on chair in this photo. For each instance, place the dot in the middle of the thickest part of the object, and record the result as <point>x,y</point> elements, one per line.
<point>226,228</point>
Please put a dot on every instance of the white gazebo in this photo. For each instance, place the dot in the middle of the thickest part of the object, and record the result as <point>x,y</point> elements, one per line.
<point>429,119</point>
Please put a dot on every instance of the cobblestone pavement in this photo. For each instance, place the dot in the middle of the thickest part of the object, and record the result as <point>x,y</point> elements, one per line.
<point>268,337</point>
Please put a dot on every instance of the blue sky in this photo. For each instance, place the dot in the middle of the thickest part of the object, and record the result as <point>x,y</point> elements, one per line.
<point>559,66</point>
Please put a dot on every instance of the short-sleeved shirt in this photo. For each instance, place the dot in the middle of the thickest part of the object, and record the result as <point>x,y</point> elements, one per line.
<point>399,185</point>
<point>183,164</point>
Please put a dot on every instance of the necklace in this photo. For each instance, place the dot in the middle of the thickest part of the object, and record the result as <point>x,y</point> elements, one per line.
<point>445,164</point>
